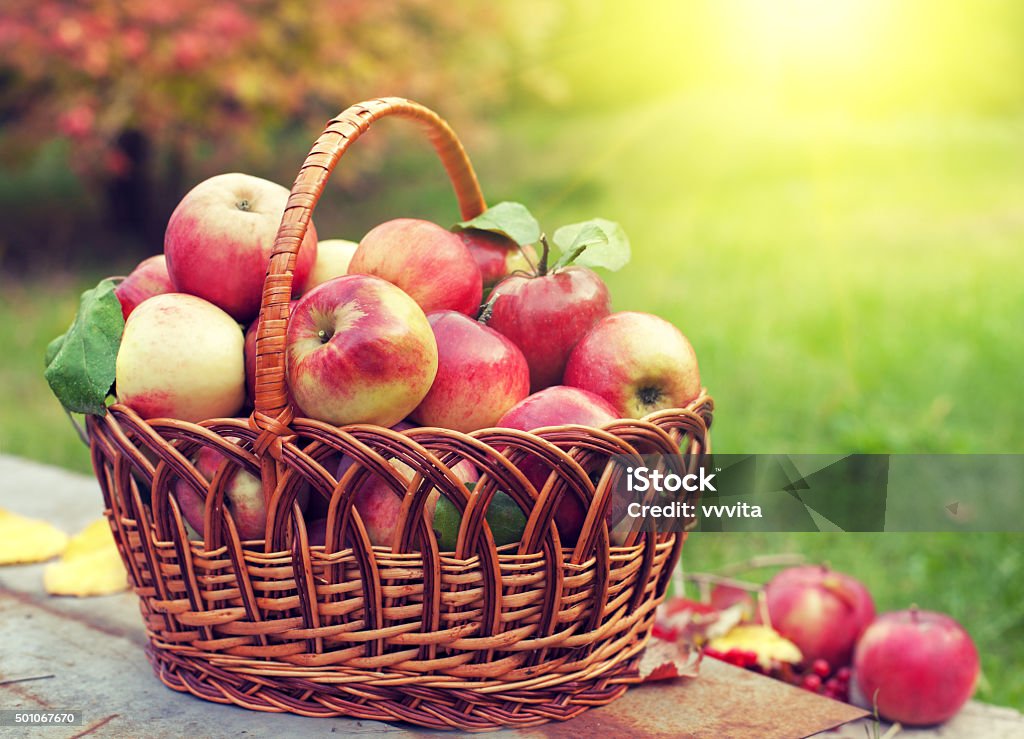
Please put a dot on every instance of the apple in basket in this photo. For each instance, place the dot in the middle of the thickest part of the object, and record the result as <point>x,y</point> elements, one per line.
<point>219,239</point>
<point>546,315</point>
<point>480,375</point>
<point>181,357</point>
<point>556,406</point>
<point>332,259</point>
<point>149,278</point>
<point>359,350</point>
<point>428,262</point>
<point>243,496</point>
<point>379,505</point>
<point>637,362</point>
<point>497,255</point>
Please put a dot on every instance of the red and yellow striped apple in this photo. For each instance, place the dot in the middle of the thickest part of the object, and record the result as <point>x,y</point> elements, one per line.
<point>497,255</point>
<point>219,239</point>
<point>637,362</point>
<point>429,263</point>
<point>359,350</point>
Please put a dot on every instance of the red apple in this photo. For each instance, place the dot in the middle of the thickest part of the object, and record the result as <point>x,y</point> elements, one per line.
<point>332,259</point>
<point>219,239</point>
<point>379,506</point>
<point>637,362</point>
<point>181,357</point>
<point>822,611</point>
<point>496,255</point>
<point>726,596</point>
<point>480,375</point>
<point>359,351</point>
<point>149,278</point>
<point>243,497</point>
<point>920,667</point>
<point>545,316</point>
<point>556,406</point>
<point>429,263</point>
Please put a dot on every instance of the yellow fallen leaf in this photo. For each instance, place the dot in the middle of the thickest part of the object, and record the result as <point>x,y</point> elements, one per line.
<point>91,565</point>
<point>24,540</point>
<point>764,641</point>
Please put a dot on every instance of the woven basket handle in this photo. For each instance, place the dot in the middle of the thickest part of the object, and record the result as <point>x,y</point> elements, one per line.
<point>273,412</point>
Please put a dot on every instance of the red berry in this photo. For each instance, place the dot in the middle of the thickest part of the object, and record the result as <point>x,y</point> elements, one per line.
<point>812,683</point>
<point>821,668</point>
<point>843,674</point>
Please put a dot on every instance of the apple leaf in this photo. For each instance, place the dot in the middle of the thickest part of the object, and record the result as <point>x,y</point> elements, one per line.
<point>510,219</point>
<point>611,253</point>
<point>589,235</point>
<point>80,370</point>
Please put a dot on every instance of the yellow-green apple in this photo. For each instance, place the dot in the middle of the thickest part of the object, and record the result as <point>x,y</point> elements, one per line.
<point>637,362</point>
<point>359,351</point>
<point>181,357</point>
<point>822,611</point>
<point>431,264</point>
<point>497,255</point>
<point>243,496</point>
<point>149,278</point>
<point>480,375</point>
<point>556,406</point>
<point>219,240</point>
<point>332,258</point>
<point>921,667</point>
<point>546,315</point>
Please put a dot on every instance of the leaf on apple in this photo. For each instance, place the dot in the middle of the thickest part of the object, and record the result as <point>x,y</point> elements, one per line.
<point>611,253</point>
<point>80,365</point>
<point>666,660</point>
<point>90,565</point>
<point>589,235</point>
<point>509,219</point>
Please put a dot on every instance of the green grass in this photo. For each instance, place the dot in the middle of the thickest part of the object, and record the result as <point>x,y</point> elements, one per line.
<point>848,286</point>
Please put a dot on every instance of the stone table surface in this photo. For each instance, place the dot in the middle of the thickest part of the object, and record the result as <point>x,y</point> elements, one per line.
<point>86,654</point>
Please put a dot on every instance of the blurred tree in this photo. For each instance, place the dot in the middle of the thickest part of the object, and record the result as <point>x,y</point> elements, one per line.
<point>145,89</point>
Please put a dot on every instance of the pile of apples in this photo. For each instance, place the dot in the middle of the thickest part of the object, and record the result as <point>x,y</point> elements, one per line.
<point>916,667</point>
<point>394,331</point>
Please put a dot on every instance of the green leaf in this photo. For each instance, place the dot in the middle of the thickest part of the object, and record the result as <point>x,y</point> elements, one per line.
<point>52,348</point>
<point>511,219</point>
<point>81,369</point>
<point>590,235</point>
<point>612,254</point>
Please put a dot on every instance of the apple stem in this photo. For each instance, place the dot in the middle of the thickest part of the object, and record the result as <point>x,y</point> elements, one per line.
<point>542,268</point>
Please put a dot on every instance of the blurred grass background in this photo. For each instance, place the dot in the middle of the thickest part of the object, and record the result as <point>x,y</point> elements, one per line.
<point>829,203</point>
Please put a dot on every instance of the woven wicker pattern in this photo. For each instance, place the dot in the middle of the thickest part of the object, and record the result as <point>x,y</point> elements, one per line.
<point>474,639</point>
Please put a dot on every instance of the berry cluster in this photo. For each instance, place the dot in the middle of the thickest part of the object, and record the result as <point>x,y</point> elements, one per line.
<point>819,678</point>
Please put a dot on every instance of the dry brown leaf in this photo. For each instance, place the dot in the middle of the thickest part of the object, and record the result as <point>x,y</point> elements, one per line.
<point>91,565</point>
<point>24,540</point>
<point>664,660</point>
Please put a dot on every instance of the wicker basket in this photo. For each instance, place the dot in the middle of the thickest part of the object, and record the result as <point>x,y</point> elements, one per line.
<point>474,639</point>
